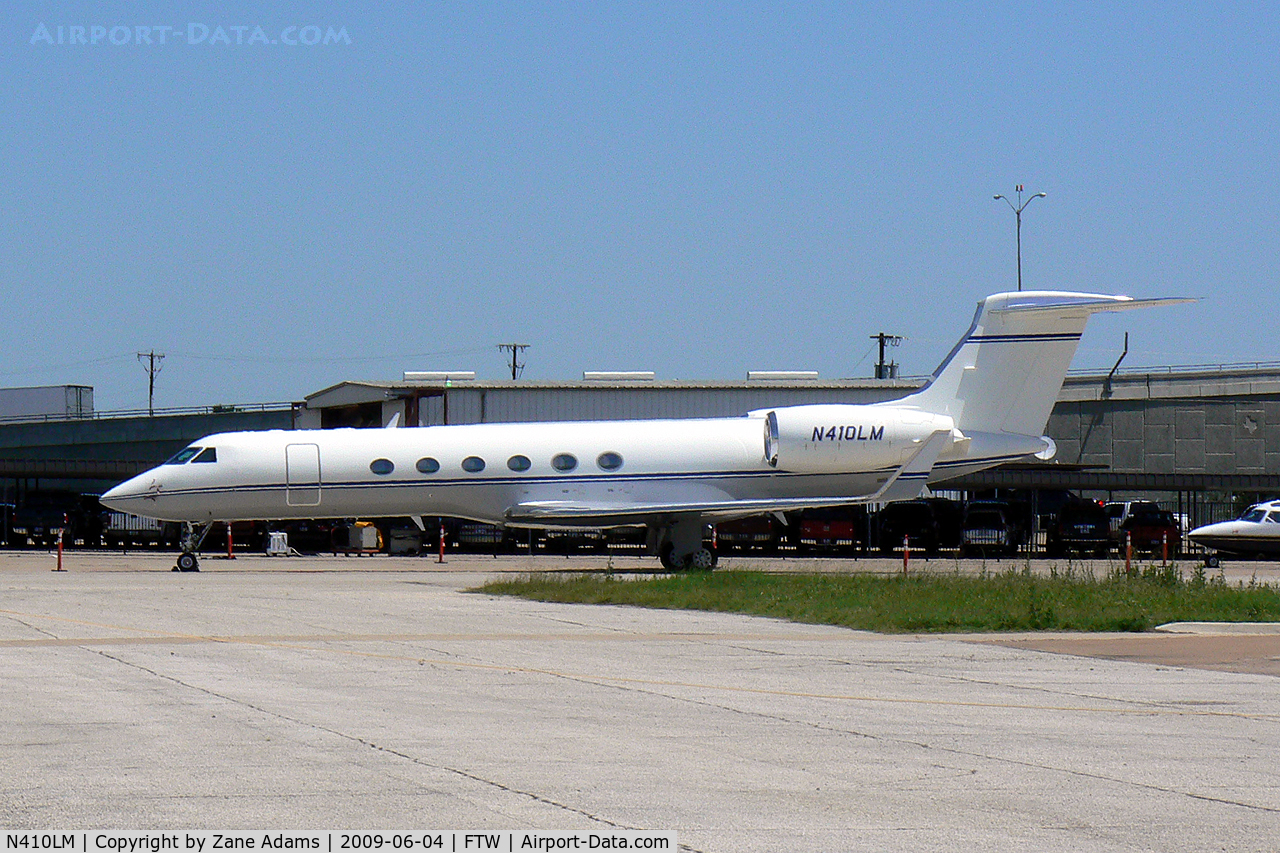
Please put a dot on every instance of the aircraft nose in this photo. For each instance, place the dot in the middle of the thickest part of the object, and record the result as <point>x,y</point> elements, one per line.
<point>114,495</point>
<point>123,496</point>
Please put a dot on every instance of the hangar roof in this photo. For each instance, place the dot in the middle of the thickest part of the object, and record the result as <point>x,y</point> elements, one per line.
<point>367,391</point>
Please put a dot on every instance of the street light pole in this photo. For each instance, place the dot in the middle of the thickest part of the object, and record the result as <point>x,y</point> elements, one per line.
<point>1017,211</point>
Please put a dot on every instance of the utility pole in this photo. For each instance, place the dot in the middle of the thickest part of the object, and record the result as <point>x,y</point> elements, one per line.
<point>885,371</point>
<point>1017,210</point>
<point>151,360</point>
<point>516,364</point>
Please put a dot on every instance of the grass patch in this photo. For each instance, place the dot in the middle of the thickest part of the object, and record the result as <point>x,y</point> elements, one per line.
<point>927,602</point>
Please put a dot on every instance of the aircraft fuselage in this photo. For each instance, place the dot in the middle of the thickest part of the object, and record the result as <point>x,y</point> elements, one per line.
<point>481,471</point>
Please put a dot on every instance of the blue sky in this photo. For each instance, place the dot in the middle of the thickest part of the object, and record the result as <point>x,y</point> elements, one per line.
<point>695,189</point>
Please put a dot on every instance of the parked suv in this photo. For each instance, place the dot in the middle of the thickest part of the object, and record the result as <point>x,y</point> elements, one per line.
<point>1080,527</point>
<point>1151,530</point>
<point>1118,513</point>
<point>990,529</point>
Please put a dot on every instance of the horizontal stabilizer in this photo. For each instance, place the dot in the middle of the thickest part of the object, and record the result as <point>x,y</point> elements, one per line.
<point>1086,302</point>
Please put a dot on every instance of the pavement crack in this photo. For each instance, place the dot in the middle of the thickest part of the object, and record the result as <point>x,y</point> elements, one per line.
<point>926,746</point>
<point>24,623</point>
<point>352,738</point>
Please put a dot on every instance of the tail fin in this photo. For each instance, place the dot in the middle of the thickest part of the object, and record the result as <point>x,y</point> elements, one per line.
<point>1005,373</point>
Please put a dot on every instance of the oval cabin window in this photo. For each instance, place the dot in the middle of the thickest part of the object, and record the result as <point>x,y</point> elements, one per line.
<point>474,464</point>
<point>564,462</point>
<point>609,461</point>
<point>519,463</point>
<point>382,467</point>
<point>427,465</point>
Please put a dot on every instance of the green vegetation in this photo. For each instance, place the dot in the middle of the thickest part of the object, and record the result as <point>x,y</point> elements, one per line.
<point>928,602</point>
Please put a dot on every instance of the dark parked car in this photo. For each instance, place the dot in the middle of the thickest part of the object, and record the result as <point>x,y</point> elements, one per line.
<point>1080,527</point>
<point>929,523</point>
<point>757,532</point>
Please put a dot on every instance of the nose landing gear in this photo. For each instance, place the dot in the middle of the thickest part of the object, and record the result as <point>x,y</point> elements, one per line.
<point>190,541</point>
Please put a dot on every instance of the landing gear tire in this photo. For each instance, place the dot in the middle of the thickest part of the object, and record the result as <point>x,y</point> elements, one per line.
<point>668,559</point>
<point>187,563</point>
<point>701,560</point>
<point>1212,561</point>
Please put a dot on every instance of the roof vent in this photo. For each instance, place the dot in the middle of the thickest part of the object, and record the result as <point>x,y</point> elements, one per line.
<point>618,375</point>
<point>438,375</point>
<point>776,375</point>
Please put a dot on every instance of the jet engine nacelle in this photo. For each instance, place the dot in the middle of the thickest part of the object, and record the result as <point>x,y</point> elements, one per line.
<point>833,439</point>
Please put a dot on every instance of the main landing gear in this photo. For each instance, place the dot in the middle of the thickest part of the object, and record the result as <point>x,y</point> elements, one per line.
<point>680,548</point>
<point>190,541</point>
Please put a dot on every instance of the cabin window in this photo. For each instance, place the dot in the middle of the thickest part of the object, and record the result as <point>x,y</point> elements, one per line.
<point>427,465</point>
<point>209,454</point>
<point>181,457</point>
<point>382,467</point>
<point>609,461</point>
<point>519,463</point>
<point>474,464</point>
<point>564,462</point>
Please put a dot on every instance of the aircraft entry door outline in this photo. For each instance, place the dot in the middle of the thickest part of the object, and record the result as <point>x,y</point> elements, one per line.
<point>302,474</point>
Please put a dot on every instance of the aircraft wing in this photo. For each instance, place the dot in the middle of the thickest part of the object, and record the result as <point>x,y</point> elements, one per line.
<point>903,484</point>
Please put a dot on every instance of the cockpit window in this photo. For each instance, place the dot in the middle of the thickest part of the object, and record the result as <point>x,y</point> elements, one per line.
<point>209,454</point>
<point>1274,516</point>
<point>1254,514</point>
<point>181,457</point>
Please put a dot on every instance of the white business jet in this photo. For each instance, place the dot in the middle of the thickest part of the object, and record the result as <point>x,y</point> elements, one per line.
<point>987,403</point>
<point>1254,534</point>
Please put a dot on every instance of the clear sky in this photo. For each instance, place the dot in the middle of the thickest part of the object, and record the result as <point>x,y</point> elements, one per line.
<point>698,189</point>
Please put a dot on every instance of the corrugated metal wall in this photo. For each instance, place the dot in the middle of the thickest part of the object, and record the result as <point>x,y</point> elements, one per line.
<point>528,404</point>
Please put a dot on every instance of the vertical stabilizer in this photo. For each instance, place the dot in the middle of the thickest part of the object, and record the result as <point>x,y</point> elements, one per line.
<point>1005,373</point>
